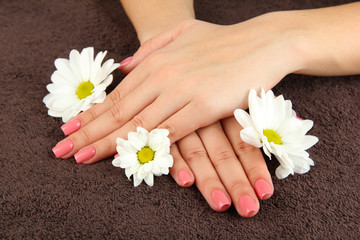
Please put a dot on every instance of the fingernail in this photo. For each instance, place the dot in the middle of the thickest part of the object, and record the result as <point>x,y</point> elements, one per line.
<point>85,154</point>
<point>125,62</point>
<point>262,189</point>
<point>220,199</point>
<point>248,205</point>
<point>63,148</point>
<point>71,126</point>
<point>116,155</point>
<point>184,177</point>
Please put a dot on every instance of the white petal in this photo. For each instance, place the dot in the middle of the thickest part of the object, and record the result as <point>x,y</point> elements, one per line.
<point>61,89</point>
<point>243,118</point>
<point>306,126</point>
<point>63,66</point>
<point>128,173</point>
<point>137,143</point>
<point>127,160</point>
<point>281,172</point>
<point>116,162</point>
<point>86,61</point>
<point>137,180</point>
<point>76,65</point>
<point>54,113</point>
<point>64,101</point>
<point>100,98</point>
<point>149,179</point>
<point>308,141</point>
<point>250,136</point>
<point>95,70</point>
<point>141,173</point>
<point>70,113</point>
<point>165,171</point>
<point>59,78</point>
<point>49,99</point>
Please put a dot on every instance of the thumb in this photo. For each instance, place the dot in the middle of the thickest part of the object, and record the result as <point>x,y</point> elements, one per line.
<point>154,44</point>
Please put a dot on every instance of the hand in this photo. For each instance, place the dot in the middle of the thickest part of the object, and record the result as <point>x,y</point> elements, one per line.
<point>207,156</point>
<point>185,85</point>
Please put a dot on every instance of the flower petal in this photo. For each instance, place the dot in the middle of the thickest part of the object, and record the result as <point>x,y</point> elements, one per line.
<point>250,136</point>
<point>149,179</point>
<point>282,172</point>
<point>243,118</point>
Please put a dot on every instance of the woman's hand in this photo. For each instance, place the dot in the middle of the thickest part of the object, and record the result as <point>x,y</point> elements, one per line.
<point>222,175</point>
<point>185,79</point>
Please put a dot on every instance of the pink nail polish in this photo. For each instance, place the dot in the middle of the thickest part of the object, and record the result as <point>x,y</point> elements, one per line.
<point>248,205</point>
<point>125,62</point>
<point>117,155</point>
<point>71,126</point>
<point>299,118</point>
<point>220,199</point>
<point>262,189</point>
<point>184,177</point>
<point>85,154</point>
<point>63,148</point>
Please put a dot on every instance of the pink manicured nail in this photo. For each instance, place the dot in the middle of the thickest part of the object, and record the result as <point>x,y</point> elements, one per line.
<point>116,155</point>
<point>63,148</point>
<point>248,205</point>
<point>71,126</point>
<point>125,62</point>
<point>85,154</point>
<point>262,189</point>
<point>184,177</point>
<point>220,199</point>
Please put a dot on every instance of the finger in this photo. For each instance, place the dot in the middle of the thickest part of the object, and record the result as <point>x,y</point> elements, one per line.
<point>251,159</point>
<point>206,178</point>
<point>229,170</point>
<point>101,137</point>
<point>114,118</point>
<point>127,85</point>
<point>187,120</point>
<point>180,171</point>
<point>154,44</point>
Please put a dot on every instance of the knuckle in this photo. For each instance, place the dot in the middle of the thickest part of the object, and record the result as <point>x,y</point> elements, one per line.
<point>138,121</point>
<point>237,185</point>
<point>85,135</point>
<point>206,183</point>
<point>117,113</point>
<point>244,148</point>
<point>109,145</point>
<point>221,157</point>
<point>92,114</point>
<point>257,171</point>
<point>115,96</point>
<point>195,154</point>
<point>168,127</point>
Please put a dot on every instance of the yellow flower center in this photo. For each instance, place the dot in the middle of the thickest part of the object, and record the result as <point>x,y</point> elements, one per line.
<point>84,89</point>
<point>145,155</point>
<point>272,136</point>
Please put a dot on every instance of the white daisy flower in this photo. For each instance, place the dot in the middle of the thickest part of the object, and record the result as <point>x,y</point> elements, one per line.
<point>78,83</point>
<point>144,155</point>
<point>273,125</point>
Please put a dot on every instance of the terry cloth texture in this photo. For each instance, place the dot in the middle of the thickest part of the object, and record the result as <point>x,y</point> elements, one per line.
<point>42,197</point>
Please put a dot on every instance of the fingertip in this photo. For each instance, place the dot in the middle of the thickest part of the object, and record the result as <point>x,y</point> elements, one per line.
<point>220,199</point>
<point>185,178</point>
<point>263,189</point>
<point>249,207</point>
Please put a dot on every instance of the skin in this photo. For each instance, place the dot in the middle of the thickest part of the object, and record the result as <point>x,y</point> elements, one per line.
<point>205,76</point>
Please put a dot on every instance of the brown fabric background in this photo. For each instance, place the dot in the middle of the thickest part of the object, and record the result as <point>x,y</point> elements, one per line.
<point>48,198</point>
